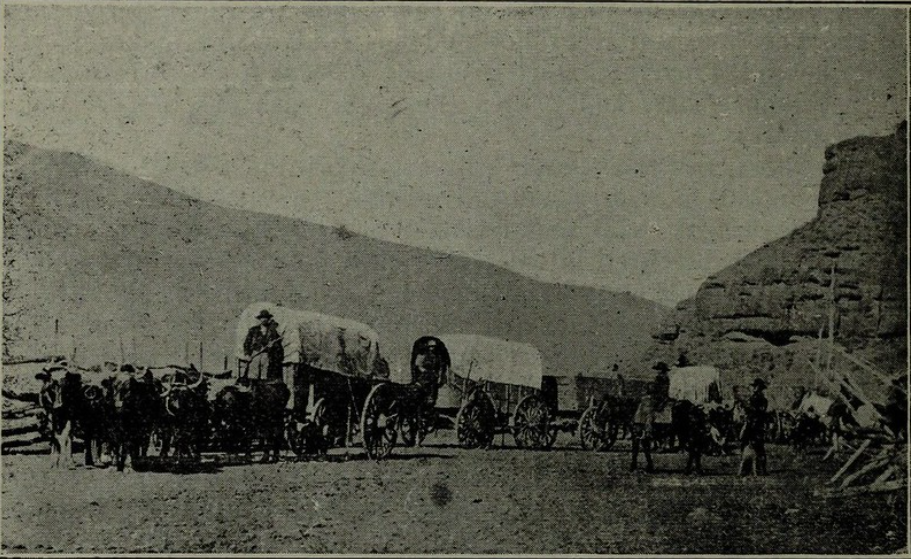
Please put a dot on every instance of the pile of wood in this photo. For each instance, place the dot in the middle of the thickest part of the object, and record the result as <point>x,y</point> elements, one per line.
<point>879,462</point>
<point>874,467</point>
<point>22,426</point>
<point>23,419</point>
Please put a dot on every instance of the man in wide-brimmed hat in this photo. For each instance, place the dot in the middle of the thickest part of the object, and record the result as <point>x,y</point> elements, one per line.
<point>752,437</point>
<point>661,386</point>
<point>265,339</point>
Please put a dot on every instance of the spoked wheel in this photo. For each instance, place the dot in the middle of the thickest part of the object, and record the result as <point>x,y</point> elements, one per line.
<point>475,422</point>
<point>410,431</point>
<point>304,436</point>
<point>295,436</point>
<point>531,424</point>
<point>591,434</point>
<point>379,422</point>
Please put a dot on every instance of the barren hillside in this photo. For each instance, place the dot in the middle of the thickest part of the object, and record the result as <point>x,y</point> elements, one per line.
<point>115,259</point>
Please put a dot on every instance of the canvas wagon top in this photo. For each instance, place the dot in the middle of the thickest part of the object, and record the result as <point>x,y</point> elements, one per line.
<point>481,358</point>
<point>325,342</point>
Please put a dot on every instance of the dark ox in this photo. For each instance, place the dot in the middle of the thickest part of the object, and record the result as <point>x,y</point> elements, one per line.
<point>93,421</point>
<point>232,420</point>
<point>185,418</point>
<point>268,400</point>
<point>134,405</point>
<point>61,400</point>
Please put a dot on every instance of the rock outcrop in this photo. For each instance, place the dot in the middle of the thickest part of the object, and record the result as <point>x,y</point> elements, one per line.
<point>763,315</point>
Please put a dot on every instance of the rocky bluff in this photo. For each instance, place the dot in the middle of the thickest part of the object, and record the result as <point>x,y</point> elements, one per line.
<point>763,315</point>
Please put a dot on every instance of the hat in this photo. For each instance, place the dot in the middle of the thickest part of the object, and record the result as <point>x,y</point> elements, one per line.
<point>661,366</point>
<point>760,383</point>
<point>56,366</point>
<point>264,314</point>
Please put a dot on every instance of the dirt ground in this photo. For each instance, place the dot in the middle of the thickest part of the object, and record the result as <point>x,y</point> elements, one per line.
<point>441,499</point>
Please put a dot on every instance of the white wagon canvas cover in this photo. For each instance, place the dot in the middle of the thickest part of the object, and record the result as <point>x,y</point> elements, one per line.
<point>480,358</point>
<point>698,384</point>
<point>321,341</point>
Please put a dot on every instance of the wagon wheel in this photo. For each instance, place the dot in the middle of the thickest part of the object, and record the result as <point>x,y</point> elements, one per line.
<point>475,422</point>
<point>301,435</point>
<point>591,431</point>
<point>410,431</point>
<point>531,424</point>
<point>294,435</point>
<point>379,422</point>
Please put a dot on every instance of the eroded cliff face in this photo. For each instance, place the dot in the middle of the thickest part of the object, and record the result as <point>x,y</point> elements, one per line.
<point>763,315</point>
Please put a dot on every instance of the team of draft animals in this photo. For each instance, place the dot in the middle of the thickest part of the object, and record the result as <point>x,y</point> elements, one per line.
<point>120,417</point>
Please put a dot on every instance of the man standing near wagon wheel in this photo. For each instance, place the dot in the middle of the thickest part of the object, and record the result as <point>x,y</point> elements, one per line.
<point>264,339</point>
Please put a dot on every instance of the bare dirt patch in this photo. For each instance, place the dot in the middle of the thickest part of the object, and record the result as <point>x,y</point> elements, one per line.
<point>440,499</point>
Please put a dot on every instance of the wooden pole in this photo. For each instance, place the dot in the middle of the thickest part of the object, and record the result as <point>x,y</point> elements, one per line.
<point>860,450</point>
<point>122,355</point>
<point>201,357</point>
<point>865,366</point>
<point>816,367</point>
<point>831,344</point>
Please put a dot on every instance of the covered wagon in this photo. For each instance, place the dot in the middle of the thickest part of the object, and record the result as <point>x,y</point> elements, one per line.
<point>478,385</point>
<point>329,363</point>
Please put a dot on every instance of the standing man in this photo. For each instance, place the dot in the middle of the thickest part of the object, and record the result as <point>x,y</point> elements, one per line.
<point>661,387</point>
<point>753,434</point>
<point>265,339</point>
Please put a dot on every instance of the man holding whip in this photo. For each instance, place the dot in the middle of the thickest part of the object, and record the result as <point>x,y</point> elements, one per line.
<point>265,339</point>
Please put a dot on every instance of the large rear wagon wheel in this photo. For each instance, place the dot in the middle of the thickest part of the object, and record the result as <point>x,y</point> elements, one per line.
<point>531,424</point>
<point>379,422</point>
<point>476,422</point>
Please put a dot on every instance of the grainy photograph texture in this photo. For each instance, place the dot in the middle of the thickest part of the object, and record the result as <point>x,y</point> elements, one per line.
<point>454,279</point>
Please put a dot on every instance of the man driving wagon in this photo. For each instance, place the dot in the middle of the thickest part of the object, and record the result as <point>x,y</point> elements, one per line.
<point>265,340</point>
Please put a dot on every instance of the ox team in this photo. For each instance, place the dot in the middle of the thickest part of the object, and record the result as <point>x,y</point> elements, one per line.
<point>130,409</point>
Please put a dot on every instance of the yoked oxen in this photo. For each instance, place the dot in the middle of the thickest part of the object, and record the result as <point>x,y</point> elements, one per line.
<point>94,421</point>
<point>232,420</point>
<point>135,407</point>
<point>185,418</point>
<point>268,401</point>
<point>61,400</point>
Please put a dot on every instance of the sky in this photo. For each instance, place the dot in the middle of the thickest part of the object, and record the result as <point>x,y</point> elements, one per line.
<point>632,148</point>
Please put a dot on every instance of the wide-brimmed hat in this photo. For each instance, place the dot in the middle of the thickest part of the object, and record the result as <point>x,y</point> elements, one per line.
<point>760,383</point>
<point>661,366</point>
<point>264,314</point>
<point>56,366</point>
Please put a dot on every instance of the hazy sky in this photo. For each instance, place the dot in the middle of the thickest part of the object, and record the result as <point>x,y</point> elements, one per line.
<point>632,148</point>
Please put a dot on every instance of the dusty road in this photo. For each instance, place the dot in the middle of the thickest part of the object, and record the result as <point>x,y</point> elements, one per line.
<point>444,500</point>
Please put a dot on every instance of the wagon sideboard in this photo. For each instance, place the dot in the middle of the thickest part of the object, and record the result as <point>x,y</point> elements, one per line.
<point>573,394</point>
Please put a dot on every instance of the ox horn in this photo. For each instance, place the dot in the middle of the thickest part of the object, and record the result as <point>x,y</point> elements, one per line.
<point>168,388</point>
<point>196,384</point>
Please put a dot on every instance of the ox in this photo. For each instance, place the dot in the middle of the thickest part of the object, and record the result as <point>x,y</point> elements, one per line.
<point>61,400</point>
<point>232,419</point>
<point>185,418</point>
<point>135,409</point>
<point>268,400</point>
